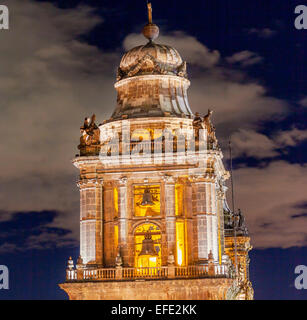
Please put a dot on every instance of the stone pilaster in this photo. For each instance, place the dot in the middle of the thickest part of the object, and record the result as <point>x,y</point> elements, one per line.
<point>170,218</point>
<point>123,219</point>
<point>205,218</point>
<point>220,194</point>
<point>189,221</point>
<point>91,217</point>
<point>109,222</point>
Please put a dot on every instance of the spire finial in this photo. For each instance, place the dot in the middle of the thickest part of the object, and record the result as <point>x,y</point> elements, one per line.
<point>150,31</point>
<point>149,12</point>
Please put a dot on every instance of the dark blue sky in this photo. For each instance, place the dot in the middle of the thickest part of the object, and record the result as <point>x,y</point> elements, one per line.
<point>265,27</point>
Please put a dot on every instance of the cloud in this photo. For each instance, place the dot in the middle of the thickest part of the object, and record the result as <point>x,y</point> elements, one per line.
<point>262,33</point>
<point>49,81</point>
<point>303,102</point>
<point>291,137</point>
<point>253,144</point>
<point>272,196</point>
<point>270,199</point>
<point>238,102</point>
<point>250,143</point>
<point>244,58</point>
<point>8,248</point>
<point>31,230</point>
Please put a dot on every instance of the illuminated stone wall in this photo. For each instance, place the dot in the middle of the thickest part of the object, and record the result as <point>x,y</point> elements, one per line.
<point>152,96</point>
<point>187,289</point>
<point>186,191</point>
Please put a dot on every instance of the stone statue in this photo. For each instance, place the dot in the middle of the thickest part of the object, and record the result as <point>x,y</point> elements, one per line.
<point>182,70</point>
<point>90,137</point>
<point>241,273</point>
<point>80,260</point>
<point>230,267</point>
<point>118,259</point>
<point>241,221</point>
<point>207,120</point>
<point>171,259</point>
<point>210,129</point>
<point>197,125</point>
<point>198,121</point>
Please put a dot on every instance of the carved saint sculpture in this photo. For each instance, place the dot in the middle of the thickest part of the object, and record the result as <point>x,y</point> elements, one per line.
<point>210,129</point>
<point>198,125</point>
<point>90,136</point>
<point>205,123</point>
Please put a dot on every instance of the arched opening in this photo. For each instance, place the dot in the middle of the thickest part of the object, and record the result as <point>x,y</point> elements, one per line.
<point>147,240</point>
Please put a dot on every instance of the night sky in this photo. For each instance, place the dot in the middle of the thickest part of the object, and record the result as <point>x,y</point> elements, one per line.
<point>246,61</point>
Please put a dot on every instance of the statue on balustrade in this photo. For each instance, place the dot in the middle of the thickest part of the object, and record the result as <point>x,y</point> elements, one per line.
<point>212,141</point>
<point>90,137</point>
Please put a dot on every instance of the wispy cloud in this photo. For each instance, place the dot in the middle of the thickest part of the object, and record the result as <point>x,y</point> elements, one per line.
<point>250,143</point>
<point>303,102</point>
<point>269,197</point>
<point>244,58</point>
<point>34,230</point>
<point>262,33</point>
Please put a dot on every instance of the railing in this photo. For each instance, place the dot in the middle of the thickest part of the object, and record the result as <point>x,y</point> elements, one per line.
<point>97,274</point>
<point>191,271</point>
<point>170,272</point>
<point>143,273</point>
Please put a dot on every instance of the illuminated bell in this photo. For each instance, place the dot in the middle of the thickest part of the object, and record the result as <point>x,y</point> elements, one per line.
<point>148,247</point>
<point>147,198</point>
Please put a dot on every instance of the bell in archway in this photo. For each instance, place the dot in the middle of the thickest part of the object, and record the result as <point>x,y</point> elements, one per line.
<point>148,248</point>
<point>147,198</point>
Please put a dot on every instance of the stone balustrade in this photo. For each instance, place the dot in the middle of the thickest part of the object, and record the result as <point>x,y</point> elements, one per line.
<point>171,272</point>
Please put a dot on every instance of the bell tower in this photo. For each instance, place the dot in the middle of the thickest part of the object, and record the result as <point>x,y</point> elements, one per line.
<point>152,192</point>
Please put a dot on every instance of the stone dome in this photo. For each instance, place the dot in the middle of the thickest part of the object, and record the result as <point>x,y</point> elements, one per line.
<point>152,80</point>
<point>151,58</point>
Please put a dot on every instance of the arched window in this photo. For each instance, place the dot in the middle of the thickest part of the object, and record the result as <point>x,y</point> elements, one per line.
<point>147,239</point>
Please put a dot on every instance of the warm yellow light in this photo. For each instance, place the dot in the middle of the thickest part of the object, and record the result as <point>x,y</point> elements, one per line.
<point>115,196</point>
<point>152,261</point>
<point>147,210</point>
<point>179,255</point>
<point>139,235</point>
<point>116,237</point>
<point>180,243</point>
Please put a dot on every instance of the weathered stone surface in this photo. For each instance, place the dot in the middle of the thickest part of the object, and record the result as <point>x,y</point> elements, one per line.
<point>187,289</point>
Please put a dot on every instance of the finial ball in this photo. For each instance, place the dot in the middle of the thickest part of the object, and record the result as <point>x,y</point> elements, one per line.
<point>151,31</point>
